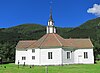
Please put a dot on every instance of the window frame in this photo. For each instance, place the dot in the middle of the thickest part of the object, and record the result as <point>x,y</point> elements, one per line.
<point>23,58</point>
<point>68,53</point>
<point>33,57</point>
<point>50,55</point>
<point>85,55</point>
<point>33,50</point>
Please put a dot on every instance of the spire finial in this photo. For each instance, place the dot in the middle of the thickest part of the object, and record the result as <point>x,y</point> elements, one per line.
<point>51,19</point>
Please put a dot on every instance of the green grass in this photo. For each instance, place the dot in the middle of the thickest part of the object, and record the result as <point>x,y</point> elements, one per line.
<point>90,68</point>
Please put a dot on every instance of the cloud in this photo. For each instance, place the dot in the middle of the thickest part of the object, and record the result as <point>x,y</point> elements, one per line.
<point>95,10</point>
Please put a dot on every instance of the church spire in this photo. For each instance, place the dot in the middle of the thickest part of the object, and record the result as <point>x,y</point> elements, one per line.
<point>50,27</point>
<point>51,19</point>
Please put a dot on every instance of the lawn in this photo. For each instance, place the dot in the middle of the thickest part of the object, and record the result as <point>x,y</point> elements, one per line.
<point>12,68</point>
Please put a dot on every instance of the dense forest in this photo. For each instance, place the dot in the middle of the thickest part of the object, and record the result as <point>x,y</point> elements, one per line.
<point>9,37</point>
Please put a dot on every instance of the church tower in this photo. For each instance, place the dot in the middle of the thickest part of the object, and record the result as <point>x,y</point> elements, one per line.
<point>51,28</point>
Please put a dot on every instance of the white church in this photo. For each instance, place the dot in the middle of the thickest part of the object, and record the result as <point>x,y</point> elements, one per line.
<point>52,49</point>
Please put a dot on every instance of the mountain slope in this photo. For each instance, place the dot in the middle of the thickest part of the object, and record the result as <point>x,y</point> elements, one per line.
<point>87,30</point>
<point>27,32</point>
<point>90,23</point>
<point>22,32</point>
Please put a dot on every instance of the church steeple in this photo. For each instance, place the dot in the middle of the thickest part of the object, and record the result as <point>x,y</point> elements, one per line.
<point>50,27</point>
<point>50,19</point>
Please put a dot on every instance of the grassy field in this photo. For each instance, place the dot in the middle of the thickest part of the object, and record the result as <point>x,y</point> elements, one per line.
<point>12,68</point>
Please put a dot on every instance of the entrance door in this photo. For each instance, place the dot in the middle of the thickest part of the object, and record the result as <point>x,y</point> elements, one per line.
<point>80,59</point>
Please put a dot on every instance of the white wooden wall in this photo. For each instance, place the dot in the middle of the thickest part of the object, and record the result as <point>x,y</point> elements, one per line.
<point>79,56</point>
<point>59,56</point>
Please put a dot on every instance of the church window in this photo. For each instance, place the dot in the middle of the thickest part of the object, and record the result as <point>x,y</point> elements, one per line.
<point>33,50</point>
<point>33,57</point>
<point>85,55</point>
<point>23,58</point>
<point>68,55</point>
<point>49,55</point>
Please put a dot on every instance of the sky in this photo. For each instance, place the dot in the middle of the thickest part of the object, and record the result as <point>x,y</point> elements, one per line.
<point>66,13</point>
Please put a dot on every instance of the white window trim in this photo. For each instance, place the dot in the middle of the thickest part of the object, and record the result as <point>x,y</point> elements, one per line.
<point>86,56</point>
<point>32,58</point>
<point>70,54</point>
<point>24,57</point>
<point>50,56</point>
<point>32,50</point>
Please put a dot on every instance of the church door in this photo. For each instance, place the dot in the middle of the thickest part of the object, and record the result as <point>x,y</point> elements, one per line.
<point>80,59</point>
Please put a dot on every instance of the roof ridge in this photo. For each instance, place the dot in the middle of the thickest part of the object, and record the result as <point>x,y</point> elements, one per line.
<point>43,41</point>
<point>30,45</point>
<point>28,40</point>
<point>38,40</point>
<point>58,40</point>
